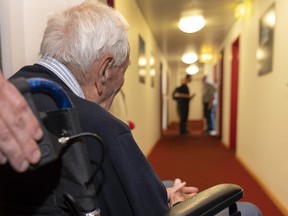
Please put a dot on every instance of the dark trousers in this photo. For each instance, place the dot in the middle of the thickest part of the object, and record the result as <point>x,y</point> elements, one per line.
<point>208,117</point>
<point>183,111</point>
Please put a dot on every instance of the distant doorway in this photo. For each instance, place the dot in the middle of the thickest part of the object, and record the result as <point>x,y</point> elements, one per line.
<point>164,99</point>
<point>234,94</point>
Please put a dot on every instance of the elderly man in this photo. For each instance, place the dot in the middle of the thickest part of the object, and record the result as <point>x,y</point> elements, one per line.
<point>85,50</point>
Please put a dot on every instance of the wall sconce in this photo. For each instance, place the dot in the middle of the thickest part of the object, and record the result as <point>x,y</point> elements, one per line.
<point>207,58</point>
<point>243,9</point>
<point>191,24</point>
<point>142,62</point>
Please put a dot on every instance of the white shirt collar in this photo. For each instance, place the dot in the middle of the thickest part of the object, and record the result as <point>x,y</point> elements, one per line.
<point>63,73</point>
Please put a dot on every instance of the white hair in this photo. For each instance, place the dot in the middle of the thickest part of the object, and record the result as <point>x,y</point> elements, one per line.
<point>82,34</point>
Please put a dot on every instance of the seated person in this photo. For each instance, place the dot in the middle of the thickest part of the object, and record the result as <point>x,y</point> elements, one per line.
<point>85,50</point>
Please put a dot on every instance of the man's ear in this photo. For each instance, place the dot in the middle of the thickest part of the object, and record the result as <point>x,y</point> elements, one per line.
<point>102,73</point>
<point>104,70</point>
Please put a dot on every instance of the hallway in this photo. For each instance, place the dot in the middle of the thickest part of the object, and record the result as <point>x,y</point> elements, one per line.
<point>209,163</point>
<point>263,98</point>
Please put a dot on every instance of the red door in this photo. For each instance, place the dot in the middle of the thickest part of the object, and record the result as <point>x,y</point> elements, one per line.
<point>234,94</point>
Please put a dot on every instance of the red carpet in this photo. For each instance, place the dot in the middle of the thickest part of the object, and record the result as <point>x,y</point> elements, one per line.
<point>202,161</point>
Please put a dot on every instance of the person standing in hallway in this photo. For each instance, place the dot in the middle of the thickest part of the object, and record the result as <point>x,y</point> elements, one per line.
<point>208,98</point>
<point>182,95</point>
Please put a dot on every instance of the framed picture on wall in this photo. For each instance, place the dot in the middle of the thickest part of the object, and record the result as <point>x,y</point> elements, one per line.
<point>142,61</point>
<point>266,41</point>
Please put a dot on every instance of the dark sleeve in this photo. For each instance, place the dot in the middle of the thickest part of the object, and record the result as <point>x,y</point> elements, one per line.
<point>183,89</point>
<point>174,93</point>
<point>127,184</point>
<point>146,193</point>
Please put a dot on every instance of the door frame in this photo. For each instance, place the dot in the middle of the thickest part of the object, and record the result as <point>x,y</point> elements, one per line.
<point>234,94</point>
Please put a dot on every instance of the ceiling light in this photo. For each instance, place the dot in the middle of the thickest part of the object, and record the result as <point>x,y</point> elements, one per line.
<point>189,58</point>
<point>191,24</point>
<point>192,69</point>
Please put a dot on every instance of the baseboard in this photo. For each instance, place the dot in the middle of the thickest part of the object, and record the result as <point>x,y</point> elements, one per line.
<point>271,195</point>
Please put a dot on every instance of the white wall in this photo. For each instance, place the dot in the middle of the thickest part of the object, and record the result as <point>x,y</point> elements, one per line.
<point>143,101</point>
<point>22,25</point>
<point>173,81</point>
<point>262,103</point>
<point>12,36</point>
<point>195,107</point>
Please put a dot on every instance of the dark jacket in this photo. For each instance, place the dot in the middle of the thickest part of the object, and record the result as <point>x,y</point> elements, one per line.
<point>127,184</point>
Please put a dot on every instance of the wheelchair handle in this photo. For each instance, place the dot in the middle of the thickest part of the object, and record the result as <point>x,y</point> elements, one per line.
<point>57,138</point>
<point>39,85</point>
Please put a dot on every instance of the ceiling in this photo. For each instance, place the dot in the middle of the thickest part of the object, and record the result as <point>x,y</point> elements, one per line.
<point>163,15</point>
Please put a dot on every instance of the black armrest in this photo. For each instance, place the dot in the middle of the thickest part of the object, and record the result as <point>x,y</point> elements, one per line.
<point>208,202</point>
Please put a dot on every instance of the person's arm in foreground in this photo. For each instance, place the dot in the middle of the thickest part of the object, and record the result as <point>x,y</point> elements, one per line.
<point>19,129</point>
<point>179,192</point>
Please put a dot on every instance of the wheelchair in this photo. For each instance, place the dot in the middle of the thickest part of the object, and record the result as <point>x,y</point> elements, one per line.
<point>65,165</point>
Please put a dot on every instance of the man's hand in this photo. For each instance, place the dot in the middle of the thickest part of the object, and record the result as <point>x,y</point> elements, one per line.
<point>19,129</point>
<point>179,192</point>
